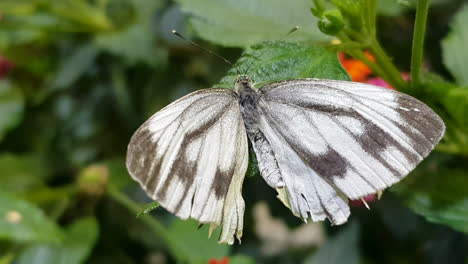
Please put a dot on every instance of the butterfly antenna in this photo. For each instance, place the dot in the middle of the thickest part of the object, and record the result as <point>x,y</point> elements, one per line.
<point>205,49</point>
<point>281,39</point>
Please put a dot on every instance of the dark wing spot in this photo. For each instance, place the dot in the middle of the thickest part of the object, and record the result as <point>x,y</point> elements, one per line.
<point>222,181</point>
<point>329,165</point>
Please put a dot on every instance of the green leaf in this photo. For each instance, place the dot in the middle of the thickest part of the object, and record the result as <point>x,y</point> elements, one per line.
<point>456,102</point>
<point>277,61</point>
<point>118,175</point>
<point>11,107</point>
<point>80,238</point>
<point>240,259</point>
<point>194,243</point>
<point>342,248</point>
<point>331,22</point>
<point>136,42</point>
<point>147,209</point>
<point>437,191</point>
<point>74,66</point>
<point>20,173</point>
<point>17,6</point>
<point>242,23</point>
<point>351,10</point>
<point>24,222</point>
<point>454,47</point>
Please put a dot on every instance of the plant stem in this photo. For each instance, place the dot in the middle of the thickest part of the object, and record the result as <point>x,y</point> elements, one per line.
<point>393,75</point>
<point>418,42</point>
<point>370,15</point>
<point>154,224</point>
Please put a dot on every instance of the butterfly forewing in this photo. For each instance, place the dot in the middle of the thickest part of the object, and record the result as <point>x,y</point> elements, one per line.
<point>192,157</point>
<point>333,137</point>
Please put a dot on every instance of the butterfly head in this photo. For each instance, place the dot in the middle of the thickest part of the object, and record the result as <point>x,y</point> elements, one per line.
<point>242,82</point>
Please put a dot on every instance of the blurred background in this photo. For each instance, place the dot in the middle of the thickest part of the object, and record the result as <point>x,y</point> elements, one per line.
<point>77,78</point>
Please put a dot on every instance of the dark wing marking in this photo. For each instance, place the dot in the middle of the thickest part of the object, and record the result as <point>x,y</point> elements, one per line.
<point>350,138</point>
<point>192,157</point>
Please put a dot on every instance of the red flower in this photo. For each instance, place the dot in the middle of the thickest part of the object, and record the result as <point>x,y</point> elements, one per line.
<point>224,260</point>
<point>358,71</point>
<point>5,67</point>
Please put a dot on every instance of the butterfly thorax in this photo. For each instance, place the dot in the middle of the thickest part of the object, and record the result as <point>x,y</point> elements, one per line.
<point>267,163</point>
<point>248,102</point>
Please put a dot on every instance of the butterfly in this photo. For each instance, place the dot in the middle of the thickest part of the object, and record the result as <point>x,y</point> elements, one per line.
<point>317,142</point>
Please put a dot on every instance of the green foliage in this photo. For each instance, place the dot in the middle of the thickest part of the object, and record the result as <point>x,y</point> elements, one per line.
<point>250,22</point>
<point>240,259</point>
<point>331,22</point>
<point>22,221</point>
<point>20,173</point>
<point>11,107</point>
<point>437,191</point>
<point>454,47</point>
<point>456,102</point>
<point>136,43</point>
<point>118,175</point>
<point>275,61</point>
<point>195,244</point>
<point>79,240</point>
<point>73,66</point>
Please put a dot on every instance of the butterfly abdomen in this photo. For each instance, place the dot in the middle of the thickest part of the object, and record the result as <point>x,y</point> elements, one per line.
<point>267,162</point>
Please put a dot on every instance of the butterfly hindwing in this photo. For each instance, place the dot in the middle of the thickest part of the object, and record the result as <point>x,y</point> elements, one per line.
<point>336,137</point>
<point>192,157</point>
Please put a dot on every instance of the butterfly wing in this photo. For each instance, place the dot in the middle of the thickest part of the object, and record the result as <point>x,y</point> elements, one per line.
<point>192,156</point>
<point>335,137</point>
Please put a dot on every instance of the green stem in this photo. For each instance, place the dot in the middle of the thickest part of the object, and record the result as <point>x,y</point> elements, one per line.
<point>393,75</point>
<point>154,224</point>
<point>370,15</point>
<point>418,42</point>
<point>382,66</point>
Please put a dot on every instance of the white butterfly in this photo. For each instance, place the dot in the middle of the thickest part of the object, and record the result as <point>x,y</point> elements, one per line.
<point>318,142</point>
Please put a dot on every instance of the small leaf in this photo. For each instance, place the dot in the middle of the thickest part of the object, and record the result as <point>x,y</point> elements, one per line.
<point>342,248</point>
<point>277,61</point>
<point>194,243</point>
<point>456,102</point>
<point>331,22</point>
<point>148,208</point>
<point>437,191</point>
<point>24,222</point>
<point>351,11</point>
<point>454,46</point>
<point>74,66</point>
<point>244,22</point>
<point>136,42</point>
<point>79,240</point>
<point>11,107</point>
<point>118,175</point>
<point>20,173</point>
